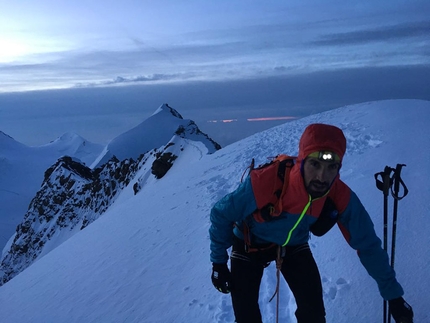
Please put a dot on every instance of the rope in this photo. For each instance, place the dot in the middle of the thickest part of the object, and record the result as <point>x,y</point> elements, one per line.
<point>278,272</point>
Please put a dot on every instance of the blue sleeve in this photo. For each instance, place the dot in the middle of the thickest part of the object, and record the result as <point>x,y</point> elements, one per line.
<point>233,207</point>
<point>361,236</point>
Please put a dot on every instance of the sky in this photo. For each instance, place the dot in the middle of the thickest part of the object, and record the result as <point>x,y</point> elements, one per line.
<point>56,44</point>
<point>134,265</point>
<point>213,60</point>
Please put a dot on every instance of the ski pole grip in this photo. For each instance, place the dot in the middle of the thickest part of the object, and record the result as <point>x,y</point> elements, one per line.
<point>397,182</point>
<point>385,182</point>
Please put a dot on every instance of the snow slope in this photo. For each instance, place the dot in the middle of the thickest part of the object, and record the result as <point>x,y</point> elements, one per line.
<point>147,258</point>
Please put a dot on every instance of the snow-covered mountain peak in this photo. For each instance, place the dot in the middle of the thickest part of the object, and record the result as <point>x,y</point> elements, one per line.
<point>165,108</point>
<point>154,132</point>
<point>72,144</point>
<point>69,136</point>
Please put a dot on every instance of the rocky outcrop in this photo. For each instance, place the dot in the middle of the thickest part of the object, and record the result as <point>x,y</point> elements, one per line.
<point>71,197</point>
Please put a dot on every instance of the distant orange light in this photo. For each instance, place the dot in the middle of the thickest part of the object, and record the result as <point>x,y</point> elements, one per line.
<point>271,118</point>
<point>254,119</point>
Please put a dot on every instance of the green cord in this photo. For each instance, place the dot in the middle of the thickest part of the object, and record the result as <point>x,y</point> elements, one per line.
<point>298,221</point>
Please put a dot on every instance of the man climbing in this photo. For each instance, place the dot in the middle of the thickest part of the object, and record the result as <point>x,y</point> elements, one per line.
<point>312,199</point>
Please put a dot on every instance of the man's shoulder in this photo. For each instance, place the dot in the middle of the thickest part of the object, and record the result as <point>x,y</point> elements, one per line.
<point>340,193</point>
<point>341,185</point>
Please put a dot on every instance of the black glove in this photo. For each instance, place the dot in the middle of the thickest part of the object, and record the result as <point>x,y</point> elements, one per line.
<point>221,278</point>
<point>401,311</point>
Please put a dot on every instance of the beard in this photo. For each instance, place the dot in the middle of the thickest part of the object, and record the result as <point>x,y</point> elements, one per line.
<point>317,188</point>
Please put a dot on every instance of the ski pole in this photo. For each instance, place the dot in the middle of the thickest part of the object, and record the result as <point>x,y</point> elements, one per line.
<point>397,181</point>
<point>384,186</point>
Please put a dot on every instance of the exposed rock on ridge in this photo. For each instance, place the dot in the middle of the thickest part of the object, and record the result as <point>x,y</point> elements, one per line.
<point>71,197</point>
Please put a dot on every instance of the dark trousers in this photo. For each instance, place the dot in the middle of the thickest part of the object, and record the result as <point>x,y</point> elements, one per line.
<point>299,270</point>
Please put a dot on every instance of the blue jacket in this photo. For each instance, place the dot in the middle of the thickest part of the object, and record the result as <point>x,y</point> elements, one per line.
<point>354,223</point>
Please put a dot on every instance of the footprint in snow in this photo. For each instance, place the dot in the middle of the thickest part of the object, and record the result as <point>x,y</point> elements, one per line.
<point>332,289</point>
<point>224,311</point>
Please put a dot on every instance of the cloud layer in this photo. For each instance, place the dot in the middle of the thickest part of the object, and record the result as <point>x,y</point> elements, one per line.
<point>176,41</point>
<point>98,113</point>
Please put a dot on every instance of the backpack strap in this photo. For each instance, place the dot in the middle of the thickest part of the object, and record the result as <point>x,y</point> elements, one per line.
<point>284,170</point>
<point>247,237</point>
<point>270,184</point>
<point>250,168</point>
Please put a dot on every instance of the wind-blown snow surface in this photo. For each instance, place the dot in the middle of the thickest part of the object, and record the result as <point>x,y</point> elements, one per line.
<point>147,258</point>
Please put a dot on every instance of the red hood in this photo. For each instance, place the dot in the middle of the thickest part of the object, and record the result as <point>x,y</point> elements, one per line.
<point>318,136</point>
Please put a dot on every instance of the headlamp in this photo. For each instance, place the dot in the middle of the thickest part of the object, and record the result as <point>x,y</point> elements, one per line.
<point>325,155</point>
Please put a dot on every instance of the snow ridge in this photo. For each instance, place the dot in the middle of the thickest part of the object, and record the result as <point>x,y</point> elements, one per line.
<point>73,195</point>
